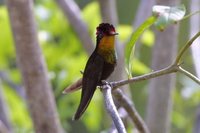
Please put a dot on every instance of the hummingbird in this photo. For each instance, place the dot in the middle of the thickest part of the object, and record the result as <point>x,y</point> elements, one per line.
<point>99,66</point>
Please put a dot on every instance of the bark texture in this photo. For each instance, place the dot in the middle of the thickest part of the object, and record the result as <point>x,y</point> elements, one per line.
<point>160,89</point>
<point>32,66</point>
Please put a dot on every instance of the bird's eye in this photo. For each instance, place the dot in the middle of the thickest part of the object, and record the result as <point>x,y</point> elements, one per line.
<point>100,35</point>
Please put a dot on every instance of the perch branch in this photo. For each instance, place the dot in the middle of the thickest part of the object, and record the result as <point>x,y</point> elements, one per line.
<point>127,104</point>
<point>188,74</point>
<point>154,74</point>
<point>111,108</point>
<point>170,69</point>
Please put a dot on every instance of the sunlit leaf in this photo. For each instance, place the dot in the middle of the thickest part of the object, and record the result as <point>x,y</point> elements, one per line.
<point>139,67</point>
<point>148,38</point>
<point>168,15</point>
<point>6,41</point>
<point>88,15</point>
<point>178,119</point>
<point>93,114</point>
<point>18,110</point>
<point>124,31</point>
<point>134,37</point>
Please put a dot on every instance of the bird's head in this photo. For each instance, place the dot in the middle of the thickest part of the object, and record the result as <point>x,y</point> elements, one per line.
<point>106,41</point>
<point>105,36</point>
<point>105,29</point>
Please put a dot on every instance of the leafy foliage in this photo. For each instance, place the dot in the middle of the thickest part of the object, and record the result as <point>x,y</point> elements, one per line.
<point>168,15</point>
<point>162,16</point>
<point>65,58</point>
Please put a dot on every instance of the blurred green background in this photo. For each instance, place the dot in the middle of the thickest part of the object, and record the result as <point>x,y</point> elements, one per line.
<point>65,58</point>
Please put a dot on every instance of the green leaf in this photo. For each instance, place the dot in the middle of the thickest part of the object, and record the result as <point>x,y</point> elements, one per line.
<point>168,15</point>
<point>134,37</point>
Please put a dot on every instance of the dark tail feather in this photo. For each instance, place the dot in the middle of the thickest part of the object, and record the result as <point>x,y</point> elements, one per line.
<point>85,100</point>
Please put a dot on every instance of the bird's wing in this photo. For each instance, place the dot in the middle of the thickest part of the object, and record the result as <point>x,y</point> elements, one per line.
<point>91,77</point>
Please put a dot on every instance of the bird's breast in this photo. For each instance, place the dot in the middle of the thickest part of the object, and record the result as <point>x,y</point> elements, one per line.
<point>106,49</point>
<point>109,56</point>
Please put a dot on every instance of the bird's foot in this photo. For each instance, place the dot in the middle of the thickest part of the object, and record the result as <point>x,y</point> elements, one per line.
<point>104,82</point>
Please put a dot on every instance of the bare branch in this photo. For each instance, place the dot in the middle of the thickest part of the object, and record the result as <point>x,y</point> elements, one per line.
<point>170,69</point>
<point>73,13</point>
<point>154,74</point>
<point>108,11</point>
<point>18,88</point>
<point>33,68</point>
<point>111,109</point>
<point>3,128</point>
<point>188,74</point>
<point>188,44</point>
<point>132,112</point>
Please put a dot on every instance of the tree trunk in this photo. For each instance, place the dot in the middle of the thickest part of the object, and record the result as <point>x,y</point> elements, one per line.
<point>73,14</point>
<point>160,89</point>
<point>108,11</point>
<point>144,10</point>
<point>194,28</point>
<point>32,66</point>
<point>195,49</point>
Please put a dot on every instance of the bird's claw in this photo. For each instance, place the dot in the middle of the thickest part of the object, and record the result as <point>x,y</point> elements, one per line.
<point>104,82</point>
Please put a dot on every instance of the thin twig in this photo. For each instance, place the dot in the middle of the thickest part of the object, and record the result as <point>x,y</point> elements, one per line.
<point>190,15</point>
<point>188,44</point>
<point>170,69</point>
<point>188,74</point>
<point>127,104</point>
<point>111,108</point>
<point>167,70</point>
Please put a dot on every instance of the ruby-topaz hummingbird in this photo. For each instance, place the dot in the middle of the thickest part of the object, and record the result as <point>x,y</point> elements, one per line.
<point>99,66</point>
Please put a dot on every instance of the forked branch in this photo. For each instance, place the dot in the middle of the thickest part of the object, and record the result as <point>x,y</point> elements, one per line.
<point>175,67</point>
